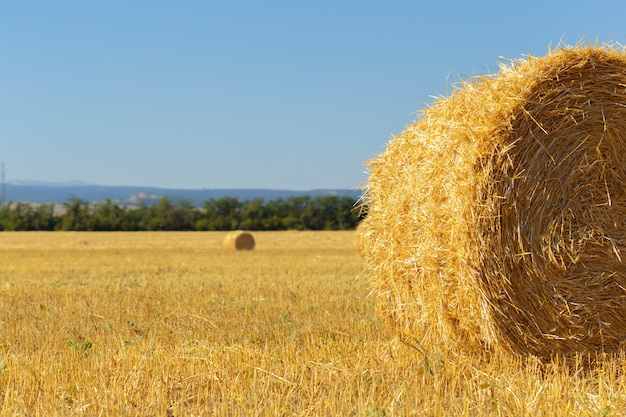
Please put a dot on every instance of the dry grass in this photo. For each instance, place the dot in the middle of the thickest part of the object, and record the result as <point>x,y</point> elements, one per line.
<point>169,324</point>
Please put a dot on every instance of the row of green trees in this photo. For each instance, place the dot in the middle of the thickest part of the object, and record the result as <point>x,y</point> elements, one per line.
<point>299,213</point>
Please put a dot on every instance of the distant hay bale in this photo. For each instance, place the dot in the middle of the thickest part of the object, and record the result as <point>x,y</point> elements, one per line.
<point>497,221</point>
<point>239,240</point>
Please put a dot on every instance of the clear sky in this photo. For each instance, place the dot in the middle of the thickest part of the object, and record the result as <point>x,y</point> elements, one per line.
<point>247,94</point>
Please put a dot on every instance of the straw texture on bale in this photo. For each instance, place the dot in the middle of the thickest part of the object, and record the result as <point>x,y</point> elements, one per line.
<point>497,221</point>
<point>360,234</point>
<point>239,240</point>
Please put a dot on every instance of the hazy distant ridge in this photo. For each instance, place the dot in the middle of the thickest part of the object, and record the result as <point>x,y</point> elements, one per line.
<point>41,192</point>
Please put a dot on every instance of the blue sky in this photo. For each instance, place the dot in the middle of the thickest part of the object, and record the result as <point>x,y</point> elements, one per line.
<point>247,94</point>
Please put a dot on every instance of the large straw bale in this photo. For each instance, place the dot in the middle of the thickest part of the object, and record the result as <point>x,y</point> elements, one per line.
<point>238,240</point>
<point>497,221</point>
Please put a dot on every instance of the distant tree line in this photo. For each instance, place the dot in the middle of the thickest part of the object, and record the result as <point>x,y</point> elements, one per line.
<point>299,213</point>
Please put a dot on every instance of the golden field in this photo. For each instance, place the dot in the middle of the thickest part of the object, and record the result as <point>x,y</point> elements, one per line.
<point>170,324</point>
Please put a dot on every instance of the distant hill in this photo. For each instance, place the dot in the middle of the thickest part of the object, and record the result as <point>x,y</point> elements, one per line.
<point>40,192</point>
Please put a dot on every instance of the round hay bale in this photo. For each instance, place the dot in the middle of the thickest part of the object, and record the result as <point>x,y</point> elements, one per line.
<point>239,240</point>
<point>497,221</point>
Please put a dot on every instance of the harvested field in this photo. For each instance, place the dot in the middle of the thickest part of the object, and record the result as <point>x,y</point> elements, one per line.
<point>170,324</point>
